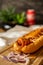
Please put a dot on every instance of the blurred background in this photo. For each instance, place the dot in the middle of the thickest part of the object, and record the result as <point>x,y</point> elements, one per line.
<point>14,12</point>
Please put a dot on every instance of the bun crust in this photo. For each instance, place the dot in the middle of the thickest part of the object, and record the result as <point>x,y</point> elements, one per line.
<point>30,42</point>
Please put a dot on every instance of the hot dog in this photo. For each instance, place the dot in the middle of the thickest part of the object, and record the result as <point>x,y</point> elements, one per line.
<point>30,42</point>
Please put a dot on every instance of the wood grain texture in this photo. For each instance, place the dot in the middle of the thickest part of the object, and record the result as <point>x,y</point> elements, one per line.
<point>35,58</point>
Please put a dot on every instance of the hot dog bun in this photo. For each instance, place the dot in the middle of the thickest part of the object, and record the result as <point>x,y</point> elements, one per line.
<point>30,42</point>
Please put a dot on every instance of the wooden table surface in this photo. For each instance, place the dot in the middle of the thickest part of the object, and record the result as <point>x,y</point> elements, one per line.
<point>2,30</point>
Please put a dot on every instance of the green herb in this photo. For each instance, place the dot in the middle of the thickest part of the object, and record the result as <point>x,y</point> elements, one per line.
<point>7,15</point>
<point>20,18</point>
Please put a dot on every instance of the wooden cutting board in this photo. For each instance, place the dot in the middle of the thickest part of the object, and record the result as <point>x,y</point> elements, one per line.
<point>35,58</point>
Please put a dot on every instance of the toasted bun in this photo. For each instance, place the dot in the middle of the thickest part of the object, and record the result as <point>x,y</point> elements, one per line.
<point>30,42</point>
